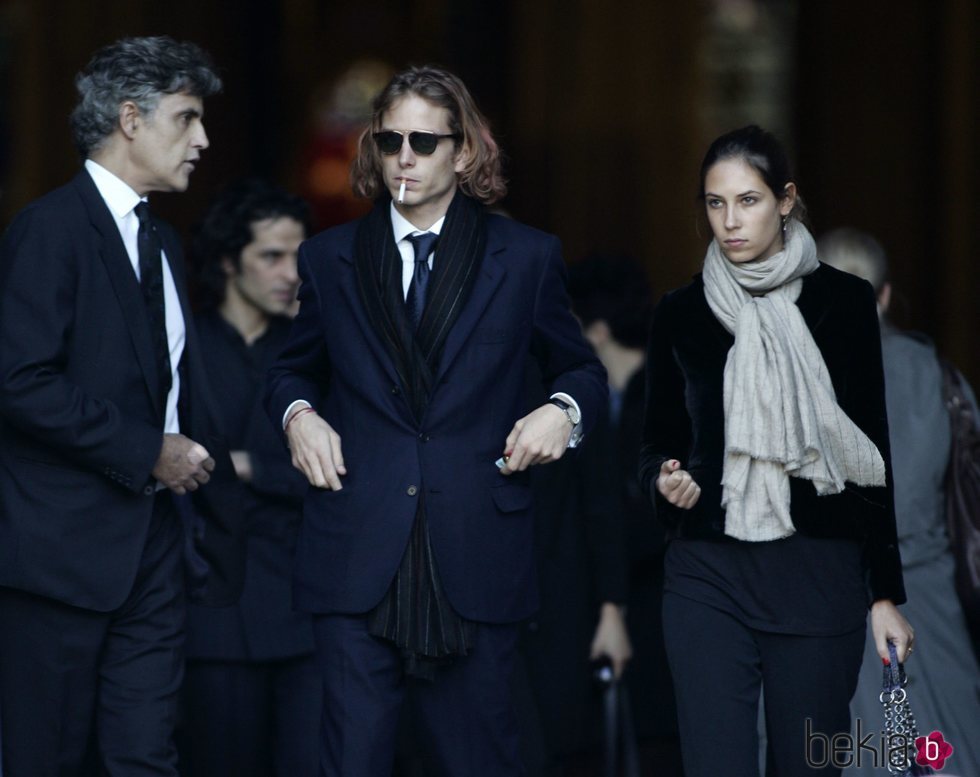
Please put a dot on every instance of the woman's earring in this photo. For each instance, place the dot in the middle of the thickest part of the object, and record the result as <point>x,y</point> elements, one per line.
<point>784,226</point>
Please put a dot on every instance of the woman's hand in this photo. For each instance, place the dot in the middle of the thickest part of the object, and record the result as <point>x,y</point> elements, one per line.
<point>677,486</point>
<point>889,625</point>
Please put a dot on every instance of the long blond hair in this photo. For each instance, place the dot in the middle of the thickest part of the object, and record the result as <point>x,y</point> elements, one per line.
<point>480,179</point>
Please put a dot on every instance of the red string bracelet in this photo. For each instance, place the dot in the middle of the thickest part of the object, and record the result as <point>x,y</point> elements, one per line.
<point>296,415</point>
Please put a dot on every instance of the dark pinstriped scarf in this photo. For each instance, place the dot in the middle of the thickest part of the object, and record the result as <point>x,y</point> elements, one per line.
<point>414,612</point>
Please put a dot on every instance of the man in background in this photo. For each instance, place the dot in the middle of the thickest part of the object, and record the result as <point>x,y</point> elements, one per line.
<point>612,298</point>
<point>252,695</point>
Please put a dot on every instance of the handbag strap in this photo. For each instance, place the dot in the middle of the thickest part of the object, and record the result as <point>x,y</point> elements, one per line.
<point>894,678</point>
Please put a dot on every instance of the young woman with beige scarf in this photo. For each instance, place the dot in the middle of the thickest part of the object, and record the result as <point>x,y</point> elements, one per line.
<point>766,457</point>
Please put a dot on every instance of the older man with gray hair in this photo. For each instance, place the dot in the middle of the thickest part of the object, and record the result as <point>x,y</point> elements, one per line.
<point>105,431</point>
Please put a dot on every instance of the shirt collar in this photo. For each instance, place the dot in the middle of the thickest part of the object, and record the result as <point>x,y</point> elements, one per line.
<point>402,227</point>
<point>118,195</point>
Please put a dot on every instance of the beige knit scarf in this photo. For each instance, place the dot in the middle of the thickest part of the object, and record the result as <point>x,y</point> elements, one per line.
<point>781,413</point>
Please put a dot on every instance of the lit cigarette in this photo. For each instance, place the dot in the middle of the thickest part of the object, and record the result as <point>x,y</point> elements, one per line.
<point>401,192</point>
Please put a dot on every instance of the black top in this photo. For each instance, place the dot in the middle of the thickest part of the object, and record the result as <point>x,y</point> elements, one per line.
<point>771,583</point>
<point>797,585</point>
<point>262,625</point>
<point>644,537</point>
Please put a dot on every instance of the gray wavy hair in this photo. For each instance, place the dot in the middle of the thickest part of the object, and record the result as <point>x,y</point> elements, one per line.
<point>141,70</point>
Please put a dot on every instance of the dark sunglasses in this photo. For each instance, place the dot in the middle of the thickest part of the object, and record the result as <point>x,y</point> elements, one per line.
<point>422,142</point>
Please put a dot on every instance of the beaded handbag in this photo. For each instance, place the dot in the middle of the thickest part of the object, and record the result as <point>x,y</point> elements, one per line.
<point>900,729</point>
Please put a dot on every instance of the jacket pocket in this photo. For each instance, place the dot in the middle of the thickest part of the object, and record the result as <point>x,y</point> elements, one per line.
<point>511,497</point>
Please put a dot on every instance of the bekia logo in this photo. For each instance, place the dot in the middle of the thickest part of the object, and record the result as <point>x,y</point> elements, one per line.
<point>873,749</point>
<point>932,751</point>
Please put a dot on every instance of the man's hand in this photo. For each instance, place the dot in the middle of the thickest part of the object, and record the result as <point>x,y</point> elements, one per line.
<point>889,625</point>
<point>611,638</point>
<point>183,464</point>
<point>316,449</point>
<point>677,486</point>
<point>537,438</point>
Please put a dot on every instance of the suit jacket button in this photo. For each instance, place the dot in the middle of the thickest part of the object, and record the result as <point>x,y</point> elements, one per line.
<point>148,490</point>
<point>412,491</point>
<point>395,390</point>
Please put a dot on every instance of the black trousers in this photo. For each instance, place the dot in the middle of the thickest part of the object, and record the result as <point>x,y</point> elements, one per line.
<point>86,693</point>
<point>465,716</point>
<point>258,719</point>
<point>720,666</point>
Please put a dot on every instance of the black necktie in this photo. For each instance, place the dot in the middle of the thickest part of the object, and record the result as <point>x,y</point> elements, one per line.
<point>151,282</point>
<point>415,301</point>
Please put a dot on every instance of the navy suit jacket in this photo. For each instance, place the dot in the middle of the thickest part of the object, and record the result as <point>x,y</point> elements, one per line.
<point>480,522</point>
<point>80,408</point>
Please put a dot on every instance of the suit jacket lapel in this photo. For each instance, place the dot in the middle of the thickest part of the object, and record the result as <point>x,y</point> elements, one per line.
<point>348,287</point>
<point>123,280</point>
<point>491,273</point>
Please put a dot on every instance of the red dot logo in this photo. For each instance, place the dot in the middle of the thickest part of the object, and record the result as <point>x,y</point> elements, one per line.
<point>932,750</point>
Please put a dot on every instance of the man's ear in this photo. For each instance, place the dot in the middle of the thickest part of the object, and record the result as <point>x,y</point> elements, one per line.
<point>228,266</point>
<point>129,118</point>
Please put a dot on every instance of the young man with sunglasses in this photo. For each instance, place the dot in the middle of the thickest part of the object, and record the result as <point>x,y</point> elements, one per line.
<point>401,395</point>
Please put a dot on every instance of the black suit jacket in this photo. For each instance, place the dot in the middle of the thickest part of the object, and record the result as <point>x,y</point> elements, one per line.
<point>262,625</point>
<point>480,522</point>
<point>685,416</point>
<point>79,410</point>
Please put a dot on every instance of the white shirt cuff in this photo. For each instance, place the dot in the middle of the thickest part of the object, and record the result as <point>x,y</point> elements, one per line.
<point>289,409</point>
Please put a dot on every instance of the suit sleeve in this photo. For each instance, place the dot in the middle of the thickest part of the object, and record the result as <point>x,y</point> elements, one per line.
<point>302,370</point>
<point>568,364</point>
<point>39,260</point>
<point>864,404</point>
<point>666,424</point>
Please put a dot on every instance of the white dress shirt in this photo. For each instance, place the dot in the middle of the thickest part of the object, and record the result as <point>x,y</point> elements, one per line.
<point>403,229</point>
<point>122,200</point>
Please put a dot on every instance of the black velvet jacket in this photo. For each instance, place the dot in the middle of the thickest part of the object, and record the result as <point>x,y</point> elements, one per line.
<point>685,417</point>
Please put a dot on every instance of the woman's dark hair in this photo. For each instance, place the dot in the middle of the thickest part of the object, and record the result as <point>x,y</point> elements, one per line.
<point>227,229</point>
<point>761,151</point>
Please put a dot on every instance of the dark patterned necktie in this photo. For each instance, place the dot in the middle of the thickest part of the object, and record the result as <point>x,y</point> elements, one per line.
<point>423,244</point>
<point>151,282</point>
